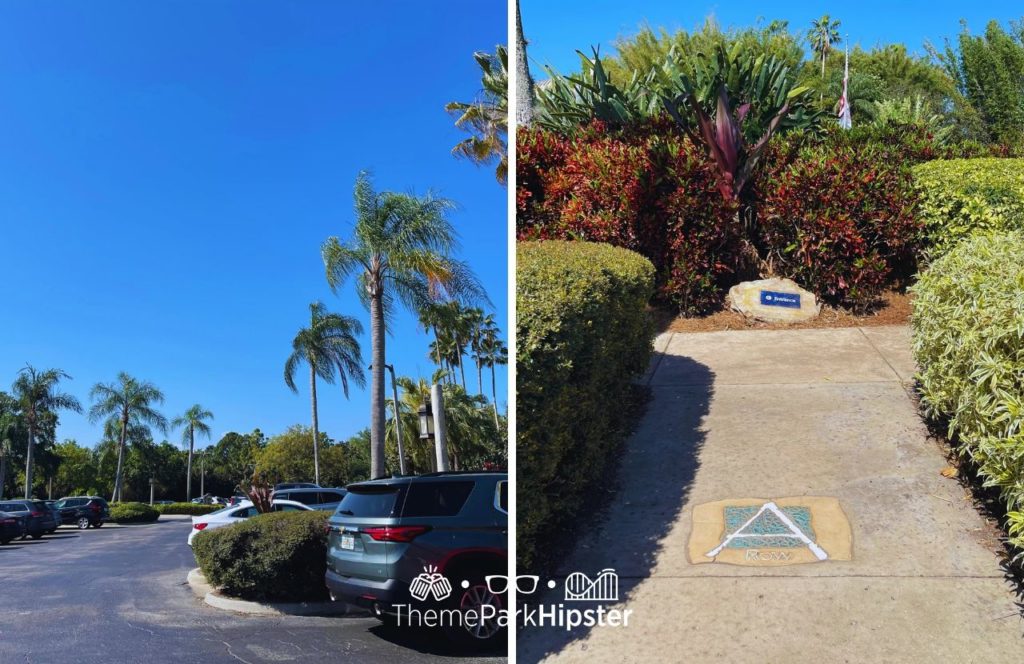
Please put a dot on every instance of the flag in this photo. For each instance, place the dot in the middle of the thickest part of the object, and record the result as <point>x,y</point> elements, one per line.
<point>844,102</point>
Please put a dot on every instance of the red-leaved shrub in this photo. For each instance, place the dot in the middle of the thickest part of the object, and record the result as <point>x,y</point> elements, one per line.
<point>834,214</point>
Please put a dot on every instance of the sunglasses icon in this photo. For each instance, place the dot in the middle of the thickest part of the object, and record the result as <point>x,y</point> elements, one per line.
<point>498,584</point>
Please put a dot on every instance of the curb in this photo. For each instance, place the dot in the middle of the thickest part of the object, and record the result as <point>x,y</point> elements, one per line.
<point>202,589</point>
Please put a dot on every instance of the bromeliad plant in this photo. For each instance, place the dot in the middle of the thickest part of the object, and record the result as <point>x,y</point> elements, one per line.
<point>732,103</point>
<point>569,103</point>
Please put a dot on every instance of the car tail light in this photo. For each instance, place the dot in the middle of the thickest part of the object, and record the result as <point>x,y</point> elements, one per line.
<point>199,526</point>
<point>94,508</point>
<point>7,522</point>
<point>36,514</point>
<point>396,533</point>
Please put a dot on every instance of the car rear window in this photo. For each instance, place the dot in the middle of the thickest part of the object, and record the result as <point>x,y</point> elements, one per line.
<point>436,498</point>
<point>12,507</point>
<point>503,496</point>
<point>41,506</point>
<point>372,500</point>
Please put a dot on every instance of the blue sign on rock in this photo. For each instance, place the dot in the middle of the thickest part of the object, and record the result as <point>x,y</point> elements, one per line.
<point>776,299</point>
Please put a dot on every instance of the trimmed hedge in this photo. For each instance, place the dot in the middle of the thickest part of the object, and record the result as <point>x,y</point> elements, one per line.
<point>275,556</point>
<point>968,338</point>
<point>963,196</point>
<point>582,335</point>
<point>133,513</point>
<point>193,509</point>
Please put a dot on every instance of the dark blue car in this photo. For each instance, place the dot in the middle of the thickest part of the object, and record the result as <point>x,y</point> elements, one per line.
<point>38,517</point>
<point>12,527</point>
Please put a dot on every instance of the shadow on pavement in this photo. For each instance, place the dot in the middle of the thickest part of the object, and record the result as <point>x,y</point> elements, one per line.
<point>658,466</point>
<point>431,642</point>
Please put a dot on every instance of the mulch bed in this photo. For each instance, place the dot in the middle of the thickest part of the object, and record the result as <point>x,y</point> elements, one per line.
<point>892,308</point>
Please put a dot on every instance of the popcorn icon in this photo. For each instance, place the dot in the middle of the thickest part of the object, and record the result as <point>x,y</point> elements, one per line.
<point>430,583</point>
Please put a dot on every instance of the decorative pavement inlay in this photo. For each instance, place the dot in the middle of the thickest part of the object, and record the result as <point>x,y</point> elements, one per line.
<point>757,531</point>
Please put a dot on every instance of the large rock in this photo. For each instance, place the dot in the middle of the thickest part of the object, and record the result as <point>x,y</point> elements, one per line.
<point>774,300</point>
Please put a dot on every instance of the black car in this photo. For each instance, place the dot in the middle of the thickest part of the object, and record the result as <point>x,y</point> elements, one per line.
<point>38,517</point>
<point>12,527</point>
<point>281,486</point>
<point>52,505</point>
<point>83,511</point>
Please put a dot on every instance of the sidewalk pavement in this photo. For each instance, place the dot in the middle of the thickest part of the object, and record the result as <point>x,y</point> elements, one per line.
<point>768,414</point>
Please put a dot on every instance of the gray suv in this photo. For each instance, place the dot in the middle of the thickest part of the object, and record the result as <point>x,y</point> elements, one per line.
<point>435,541</point>
<point>318,499</point>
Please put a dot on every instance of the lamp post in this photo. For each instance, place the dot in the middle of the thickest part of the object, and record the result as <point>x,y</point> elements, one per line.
<point>398,419</point>
<point>152,484</point>
<point>202,473</point>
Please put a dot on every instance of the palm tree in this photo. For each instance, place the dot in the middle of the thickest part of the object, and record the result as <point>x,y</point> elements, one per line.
<point>329,346</point>
<point>486,118</point>
<point>824,35</point>
<point>400,249</point>
<point>194,420</point>
<point>477,332</point>
<point>38,397</point>
<point>492,352</point>
<point>524,81</point>
<point>9,425</point>
<point>131,401</point>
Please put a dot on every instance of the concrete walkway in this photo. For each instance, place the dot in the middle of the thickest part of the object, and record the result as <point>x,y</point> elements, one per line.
<point>791,413</point>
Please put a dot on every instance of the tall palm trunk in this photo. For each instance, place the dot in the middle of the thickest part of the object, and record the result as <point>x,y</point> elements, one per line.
<point>480,377</point>
<point>316,422</point>
<point>462,369</point>
<point>494,396</point>
<point>188,470</point>
<point>3,470</point>
<point>377,384</point>
<point>524,82</point>
<point>28,460</point>
<point>120,458</point>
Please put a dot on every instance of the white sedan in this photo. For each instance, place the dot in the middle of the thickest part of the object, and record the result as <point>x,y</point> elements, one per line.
<point>237,514</point>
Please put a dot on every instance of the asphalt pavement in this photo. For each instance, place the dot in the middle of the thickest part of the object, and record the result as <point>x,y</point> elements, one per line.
<point>117,595</point>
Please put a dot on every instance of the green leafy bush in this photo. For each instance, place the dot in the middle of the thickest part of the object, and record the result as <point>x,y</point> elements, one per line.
<point>274,556</point>
<point>968,337</point>
<point>583,335</point>
<point>133,513</point>
<point>963,196</point>
<point>193,509</point>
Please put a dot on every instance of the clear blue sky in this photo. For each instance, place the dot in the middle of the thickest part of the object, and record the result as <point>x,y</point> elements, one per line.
<point>168,171</point>
<point>556,29</point>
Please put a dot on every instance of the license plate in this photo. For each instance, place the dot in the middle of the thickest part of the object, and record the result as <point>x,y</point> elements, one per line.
<point>348,541</point>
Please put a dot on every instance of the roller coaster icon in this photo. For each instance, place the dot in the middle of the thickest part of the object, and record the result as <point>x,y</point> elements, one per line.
<point>581,588</point>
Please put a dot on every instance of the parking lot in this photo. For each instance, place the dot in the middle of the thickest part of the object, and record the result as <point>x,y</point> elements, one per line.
<point>118,594</point>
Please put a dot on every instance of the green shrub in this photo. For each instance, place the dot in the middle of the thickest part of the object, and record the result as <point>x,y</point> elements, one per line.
<point>193,509</point>
<point>274,556</point>
<point>962,196</point>
<point>968,337</point>
<point>133,513</point>
<point>582,336</point>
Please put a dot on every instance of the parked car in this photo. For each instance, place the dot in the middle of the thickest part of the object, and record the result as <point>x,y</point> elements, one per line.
<point>237,514</point>
<point>83,511</point>
<point>387,532</point>
<point>12,527</point>
<point>319,499</point>
<point>295,485</point>
<point>163,502</point>
<point>52,505</point>
<point>38,517</point>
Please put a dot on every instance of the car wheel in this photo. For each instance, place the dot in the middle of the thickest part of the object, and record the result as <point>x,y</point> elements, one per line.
<point>477,632</point>
<point>37,536</point>
<point>97,524</point>
<point>83,522</point>
<point>5,541</point>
